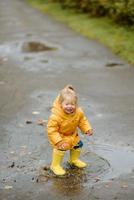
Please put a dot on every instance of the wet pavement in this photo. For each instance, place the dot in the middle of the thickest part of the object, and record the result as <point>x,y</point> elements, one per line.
<point>38,57</point>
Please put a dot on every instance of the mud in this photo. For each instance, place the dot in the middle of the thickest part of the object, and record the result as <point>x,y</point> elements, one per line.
<point>30,79</point>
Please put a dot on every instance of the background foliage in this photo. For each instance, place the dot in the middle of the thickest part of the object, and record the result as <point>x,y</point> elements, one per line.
<point>118,38</point>
<point>121,11</point>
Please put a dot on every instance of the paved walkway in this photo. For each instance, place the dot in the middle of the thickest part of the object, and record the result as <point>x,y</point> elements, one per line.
<point>29,81</point>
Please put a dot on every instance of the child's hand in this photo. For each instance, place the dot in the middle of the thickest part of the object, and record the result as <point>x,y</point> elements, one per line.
<point>63,146</point>
<point>89,132</point>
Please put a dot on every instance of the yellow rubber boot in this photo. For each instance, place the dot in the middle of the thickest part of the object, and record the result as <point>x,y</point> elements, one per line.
<point>74,155</point>
<point>56,161</point>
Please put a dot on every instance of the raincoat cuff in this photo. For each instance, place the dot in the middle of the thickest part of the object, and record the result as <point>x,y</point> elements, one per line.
<point>58,140</point>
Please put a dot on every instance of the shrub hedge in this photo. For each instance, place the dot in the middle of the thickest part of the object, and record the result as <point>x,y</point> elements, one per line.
<point>121,11</point>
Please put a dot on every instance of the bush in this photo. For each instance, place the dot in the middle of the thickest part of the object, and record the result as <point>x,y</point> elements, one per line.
<point>122,11</point>
<point>125,11</point>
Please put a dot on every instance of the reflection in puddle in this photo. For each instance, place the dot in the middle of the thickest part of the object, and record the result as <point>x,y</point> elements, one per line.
<point>71,185</point>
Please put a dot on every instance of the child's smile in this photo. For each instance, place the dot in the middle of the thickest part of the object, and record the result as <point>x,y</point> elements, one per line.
<point>68,106</point>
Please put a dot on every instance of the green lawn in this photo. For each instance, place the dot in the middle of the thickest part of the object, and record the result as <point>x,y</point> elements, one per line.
<point>120,39</point>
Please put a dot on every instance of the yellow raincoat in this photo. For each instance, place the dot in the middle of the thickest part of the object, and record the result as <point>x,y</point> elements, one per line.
<point>64,127</point>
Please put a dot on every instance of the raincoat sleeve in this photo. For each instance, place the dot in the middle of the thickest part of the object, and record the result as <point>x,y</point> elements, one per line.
<point>84,124</point>
<point>53,130</point>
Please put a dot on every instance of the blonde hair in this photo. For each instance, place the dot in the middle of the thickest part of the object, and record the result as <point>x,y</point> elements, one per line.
<point>66,92</point>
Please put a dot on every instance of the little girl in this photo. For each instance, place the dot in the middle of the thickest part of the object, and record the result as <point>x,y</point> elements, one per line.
<point>65,119</point>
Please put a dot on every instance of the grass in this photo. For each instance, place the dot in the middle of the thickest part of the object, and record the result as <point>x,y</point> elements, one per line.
<point>120,39</point>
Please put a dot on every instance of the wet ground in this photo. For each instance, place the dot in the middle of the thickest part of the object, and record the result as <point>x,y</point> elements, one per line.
<point>39,56</point>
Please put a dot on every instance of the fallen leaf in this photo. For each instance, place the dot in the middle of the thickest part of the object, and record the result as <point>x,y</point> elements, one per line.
<point>41,122</point>
<point>28,122</point>
<point>124,186</point>
<point>12,165</point>
<point>107,185</point>
<point>35,113</point>
<point>97,179</point>
<point>24,146</point>
<point>8,187</point>
<point>12,152</point>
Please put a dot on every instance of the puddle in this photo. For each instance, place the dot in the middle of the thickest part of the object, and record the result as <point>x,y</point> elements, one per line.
<point>105,162</point>
<point>75,179</point>
<point>121,159</point>
<point>34,46</point>
<point>32,55</point>
<point>96,166</point>
<point>113,64</point>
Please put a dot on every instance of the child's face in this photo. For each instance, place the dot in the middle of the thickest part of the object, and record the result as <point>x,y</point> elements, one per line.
<point>68,106</point>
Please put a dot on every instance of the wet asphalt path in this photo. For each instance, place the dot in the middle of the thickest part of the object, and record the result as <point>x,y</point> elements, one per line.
<point>29,81</point>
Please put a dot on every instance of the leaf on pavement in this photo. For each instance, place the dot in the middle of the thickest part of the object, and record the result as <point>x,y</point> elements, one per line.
<point>124,186</point>
<point>8,187</point>
<point>35,112</point>
<point>41,122</point>
<point>23,146</point>
<point>28,122</point>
